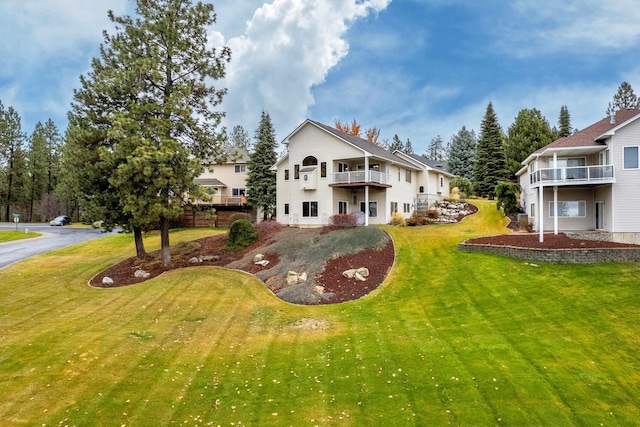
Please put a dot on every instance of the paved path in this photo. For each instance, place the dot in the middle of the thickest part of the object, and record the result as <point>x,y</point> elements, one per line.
<point>52,238</point>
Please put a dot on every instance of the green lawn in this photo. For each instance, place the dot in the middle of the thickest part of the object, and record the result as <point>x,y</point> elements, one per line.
<point>450,338</point>
<point>7,236</point>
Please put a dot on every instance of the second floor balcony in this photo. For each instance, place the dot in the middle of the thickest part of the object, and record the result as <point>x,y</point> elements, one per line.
<point>576,175</point>
<point>359,178</point>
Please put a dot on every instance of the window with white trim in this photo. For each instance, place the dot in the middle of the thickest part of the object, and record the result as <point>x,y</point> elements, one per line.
<point>238,192</point>
<point>569,209</point>
<point>407,208</point>
<point>373,209</point>
<point>394,207</point>
<point>342,207</point>
<point>310,209</point>
<point>532,210</point>
<point>240,168</point>
<point>631,158</point>
<point>286,208</point>
<point>286,174</point>
<point>407,176</point>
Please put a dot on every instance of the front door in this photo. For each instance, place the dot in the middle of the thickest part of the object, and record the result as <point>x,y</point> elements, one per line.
<point>599,215</point>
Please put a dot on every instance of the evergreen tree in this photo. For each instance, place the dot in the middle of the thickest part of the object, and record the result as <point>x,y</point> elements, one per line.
<point>148,110</point>
<point>408,148</point>
<point>529,132</point>
<point>261,179</point>
<point>37,166</point>
<point>462,153</point>
<point>564,123</point>
<point>396,144</point>
<point>489,166</point>
<point>13,182</point>
<point>240,139</point>
<point>623,99</point>
<point>436,149</point>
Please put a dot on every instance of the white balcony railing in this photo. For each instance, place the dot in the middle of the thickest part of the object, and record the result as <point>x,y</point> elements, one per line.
<point>360,177</point>
<point>573,175</point>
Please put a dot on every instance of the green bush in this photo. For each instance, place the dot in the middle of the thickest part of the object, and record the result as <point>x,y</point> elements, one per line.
<point>241,235</point>
<point>465,186</point>
<point>507,194</point>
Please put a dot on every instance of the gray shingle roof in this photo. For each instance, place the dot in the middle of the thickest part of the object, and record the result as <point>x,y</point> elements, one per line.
<point>435,164</point>
<point>365,145</point>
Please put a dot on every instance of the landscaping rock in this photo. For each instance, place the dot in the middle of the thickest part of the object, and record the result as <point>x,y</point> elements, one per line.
<point>318,290</point>
<point>194,260</point>
<point>292,278</point>
<point>263,262</point>
<point>349,273</point>
<point>258,258</point>
<point>209,258</point>
<point>359,277</point>
<point>107,281</point>
<point>363,271</point>
<point>141,274</point>
<point>358,273</point>
<point>302,277</point>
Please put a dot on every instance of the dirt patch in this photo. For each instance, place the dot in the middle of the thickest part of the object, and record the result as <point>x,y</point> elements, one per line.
<point>551,241</point>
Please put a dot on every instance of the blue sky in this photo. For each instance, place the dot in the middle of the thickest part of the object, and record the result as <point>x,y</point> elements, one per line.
<point>416,68</point>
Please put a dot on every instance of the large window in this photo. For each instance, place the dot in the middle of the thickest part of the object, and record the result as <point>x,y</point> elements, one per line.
<point>342,207</point>
<point>238,192</point>
<point>310,161</point>
<point>373,208</point>
<point>309,209</point>
<point>577,209</point>
<point>240,168</point>
<point>631,157</point>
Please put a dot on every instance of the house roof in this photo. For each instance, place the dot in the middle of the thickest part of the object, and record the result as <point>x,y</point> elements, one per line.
<point>362,144</point>
<point>591,136</point>
<point>209,182</point>
<point>434,164</point>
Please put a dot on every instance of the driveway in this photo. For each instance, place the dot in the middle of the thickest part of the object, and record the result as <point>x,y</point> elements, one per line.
<point>52,238</point>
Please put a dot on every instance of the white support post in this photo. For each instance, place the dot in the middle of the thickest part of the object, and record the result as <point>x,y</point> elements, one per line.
<point>366,205</point>
<point>541,213</point>
<point>555,210</point>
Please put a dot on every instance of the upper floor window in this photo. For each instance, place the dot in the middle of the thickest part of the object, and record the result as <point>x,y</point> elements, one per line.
<point>407,176</point>
<point>296,171</point>
<point>286,174</point>
<point>241,168</point>
<point>323,170</point>
<point>631,157</point>
<point>441,182</point>
<point>421,189</point>
<point>310,161</point>
<point>238,192</point>
<point>343,167</point>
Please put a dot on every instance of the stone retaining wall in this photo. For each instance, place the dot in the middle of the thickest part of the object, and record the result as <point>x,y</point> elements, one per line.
<point>568,256</point>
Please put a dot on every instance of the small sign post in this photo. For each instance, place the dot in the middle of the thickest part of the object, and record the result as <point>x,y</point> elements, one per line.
<point>16,219</point>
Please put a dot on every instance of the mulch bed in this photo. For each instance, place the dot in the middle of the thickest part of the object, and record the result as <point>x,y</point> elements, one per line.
<point>551,241</point>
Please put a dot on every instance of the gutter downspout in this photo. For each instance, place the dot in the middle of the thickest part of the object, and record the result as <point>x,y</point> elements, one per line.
<point>555,196</point>
<point>541,212</point>
<point>366,190</point>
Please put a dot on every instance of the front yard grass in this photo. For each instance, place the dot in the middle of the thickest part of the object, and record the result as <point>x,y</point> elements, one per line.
<point>450,338</point>
<point>8,236</point>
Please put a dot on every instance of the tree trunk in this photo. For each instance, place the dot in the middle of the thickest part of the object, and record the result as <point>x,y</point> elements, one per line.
<point>164,241</point>
<point>137,236</point>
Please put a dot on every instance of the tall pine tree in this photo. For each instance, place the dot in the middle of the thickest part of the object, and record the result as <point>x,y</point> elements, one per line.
<point>623,99</point>
<point>157,118</point>
<point>489,166</point>
<point>564,123</point>
<point>462,153</point>
<point>528,132</point>
<point>436,149</point>
<point>396,144</point>
<point>13,168</point>
<point>261,179</point>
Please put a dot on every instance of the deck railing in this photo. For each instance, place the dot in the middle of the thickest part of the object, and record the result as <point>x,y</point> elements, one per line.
<point>573,175</point>
<point>360,177</point>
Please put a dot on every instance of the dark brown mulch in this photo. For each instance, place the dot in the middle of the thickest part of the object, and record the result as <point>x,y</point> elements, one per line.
<point>551,241</point>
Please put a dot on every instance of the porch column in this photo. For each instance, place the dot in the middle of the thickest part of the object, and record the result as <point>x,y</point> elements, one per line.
<point>541,213</point>
<point>366,205</point>
<point>555,210</point>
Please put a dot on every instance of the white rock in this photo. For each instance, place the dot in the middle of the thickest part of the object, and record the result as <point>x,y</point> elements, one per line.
<point>208,258</point>
<point>363,271</point>
<point>263,262</point>
<point>194,260</point>
<point>108,281</point>
<point>359,277</point>
<point>292,278</point>
<point>139,273</point>
<point>258,258</point>
<point>319,290</point>
<point>303,277</point>
<point>349,273</point>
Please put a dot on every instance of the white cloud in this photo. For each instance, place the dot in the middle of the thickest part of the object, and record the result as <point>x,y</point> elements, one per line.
<point>288,47</point>
<point>580,26</point>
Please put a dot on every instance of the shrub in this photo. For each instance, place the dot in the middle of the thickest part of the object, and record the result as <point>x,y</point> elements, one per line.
<point>417,219</point>
<point>344,220</point>
<point>239,215</point>
<point>241,235</point>
<point>525,224</point>
<point>507,194</point>
<point>397,218</point>
<point>267,227</point>
<point>465,186</point>
<point>432,214</point>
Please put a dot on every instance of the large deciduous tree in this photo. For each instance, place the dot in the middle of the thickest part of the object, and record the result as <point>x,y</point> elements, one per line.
<point>261,179</point>
<point>489,166</point>
<point>462,153</point>
<point>529,131</point>
<point>148,108</point>
<point>624,98</point>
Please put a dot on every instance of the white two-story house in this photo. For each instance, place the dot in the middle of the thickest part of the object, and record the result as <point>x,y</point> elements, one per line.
<point>587,181</point>
<point>327,172</point>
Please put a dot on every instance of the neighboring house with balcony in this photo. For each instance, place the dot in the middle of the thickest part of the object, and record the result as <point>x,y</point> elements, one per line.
<point>327,172</point>
<point>587,181</point>
<point>225,182</point>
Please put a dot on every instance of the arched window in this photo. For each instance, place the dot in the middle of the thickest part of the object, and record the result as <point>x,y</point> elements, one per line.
<point>310,161</point>
<point>421,189</point>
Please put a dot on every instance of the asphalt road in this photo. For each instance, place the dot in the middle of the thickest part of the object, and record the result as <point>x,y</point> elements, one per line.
<point>52,238</point>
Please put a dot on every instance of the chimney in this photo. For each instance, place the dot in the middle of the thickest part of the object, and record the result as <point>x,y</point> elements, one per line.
<point>612,118</point>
